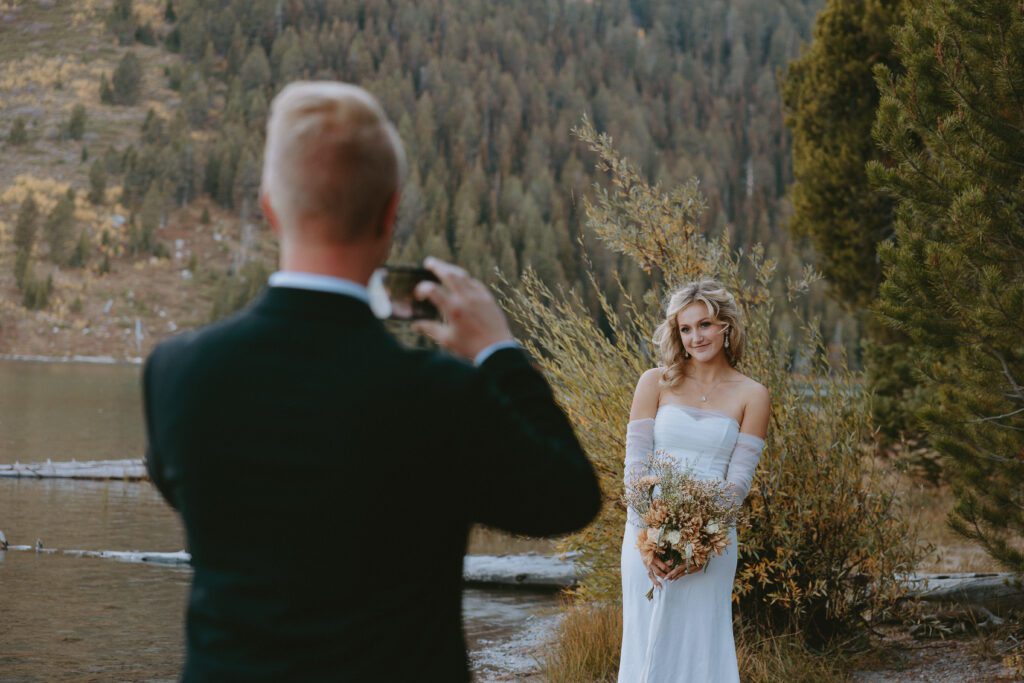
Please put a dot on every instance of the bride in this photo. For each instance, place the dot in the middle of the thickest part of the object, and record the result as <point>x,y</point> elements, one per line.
<point>709,417</point>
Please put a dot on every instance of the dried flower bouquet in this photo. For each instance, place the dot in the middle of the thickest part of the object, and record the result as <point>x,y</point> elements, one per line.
<point>685,520</point>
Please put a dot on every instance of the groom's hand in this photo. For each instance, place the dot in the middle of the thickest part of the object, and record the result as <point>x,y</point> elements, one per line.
<point>472,319</point>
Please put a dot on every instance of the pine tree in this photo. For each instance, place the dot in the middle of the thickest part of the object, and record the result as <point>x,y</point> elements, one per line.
<point>97,182</point>
<point>127,80</point>
<point>25,229</point>
<point>150,217</point>
<point>831,98</point>
<point>121,21</point>
<point>58,227</point>
<point>953,127</point>
<point>106,93</point>
<point>18,134</point>
<point>80,254</point>
<point>145,34</point>
<point>26,225</point>
<point>22,267</point>
<point>255,71</point>
<point>76,122</point>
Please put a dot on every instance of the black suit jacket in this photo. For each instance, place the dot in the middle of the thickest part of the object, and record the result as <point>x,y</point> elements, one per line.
<point>327,478</point>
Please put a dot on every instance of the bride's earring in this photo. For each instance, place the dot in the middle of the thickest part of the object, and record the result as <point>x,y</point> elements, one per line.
<point>726,341</point>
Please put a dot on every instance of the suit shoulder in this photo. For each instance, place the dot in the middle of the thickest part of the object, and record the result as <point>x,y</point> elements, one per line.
<point>177,350</point>
<point>438,367</point>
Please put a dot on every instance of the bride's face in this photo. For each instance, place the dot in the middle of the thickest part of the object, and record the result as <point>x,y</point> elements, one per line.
<point>702,335</point>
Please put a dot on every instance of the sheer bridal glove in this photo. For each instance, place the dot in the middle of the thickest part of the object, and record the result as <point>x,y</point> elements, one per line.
<point>639,447</point>
<point>742,464</point>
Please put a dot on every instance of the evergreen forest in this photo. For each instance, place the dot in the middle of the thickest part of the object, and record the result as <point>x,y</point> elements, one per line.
<point>485,97</point>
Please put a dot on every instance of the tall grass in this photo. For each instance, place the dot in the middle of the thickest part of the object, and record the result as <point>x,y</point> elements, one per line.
<point>588,645</point>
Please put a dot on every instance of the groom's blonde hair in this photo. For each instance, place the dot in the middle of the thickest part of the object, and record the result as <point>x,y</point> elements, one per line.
<point>331,153</point>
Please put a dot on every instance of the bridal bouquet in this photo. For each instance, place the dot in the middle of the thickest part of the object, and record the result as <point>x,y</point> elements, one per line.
<point>685,519</point>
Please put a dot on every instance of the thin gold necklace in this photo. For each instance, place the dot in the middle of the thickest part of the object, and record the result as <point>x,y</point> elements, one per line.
<point>704,396</point>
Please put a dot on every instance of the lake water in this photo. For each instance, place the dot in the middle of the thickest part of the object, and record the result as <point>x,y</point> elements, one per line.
<point>85,619</point>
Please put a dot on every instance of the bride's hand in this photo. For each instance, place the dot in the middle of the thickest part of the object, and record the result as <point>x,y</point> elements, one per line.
<point>656,569</point>
<point>682,570</point>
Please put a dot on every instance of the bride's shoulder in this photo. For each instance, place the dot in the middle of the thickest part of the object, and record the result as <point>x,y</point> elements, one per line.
<point>753,391</point>
<point>652,375</point>
<point>647,394</point>
<point>650,381</point>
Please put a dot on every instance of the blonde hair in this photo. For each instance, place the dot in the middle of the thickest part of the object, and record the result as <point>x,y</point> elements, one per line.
<point>331,152</point>
<point>721,306</point>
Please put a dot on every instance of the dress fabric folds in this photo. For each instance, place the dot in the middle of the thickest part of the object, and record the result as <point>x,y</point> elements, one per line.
<point>684,635</point>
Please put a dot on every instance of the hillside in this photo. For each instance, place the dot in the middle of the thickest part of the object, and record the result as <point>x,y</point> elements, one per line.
<point>485,96</point>
<point>52,56</point>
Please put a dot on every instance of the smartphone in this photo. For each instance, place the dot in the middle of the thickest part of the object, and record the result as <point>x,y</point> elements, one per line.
<point>392,294</point>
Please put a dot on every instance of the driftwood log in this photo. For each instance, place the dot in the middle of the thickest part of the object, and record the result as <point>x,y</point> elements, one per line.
<point>525,571</point>
<point>128,470</point>
<point>997,592</point>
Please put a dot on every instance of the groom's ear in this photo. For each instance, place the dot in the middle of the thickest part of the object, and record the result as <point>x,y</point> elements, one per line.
<point>268,211</point>
<point>389,217</point>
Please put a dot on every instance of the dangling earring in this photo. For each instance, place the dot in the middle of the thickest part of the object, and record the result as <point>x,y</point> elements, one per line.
<point>726,340</point>
<point>686,354</point>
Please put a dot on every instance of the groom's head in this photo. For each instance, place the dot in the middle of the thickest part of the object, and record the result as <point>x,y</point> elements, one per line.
<point>332,166</point>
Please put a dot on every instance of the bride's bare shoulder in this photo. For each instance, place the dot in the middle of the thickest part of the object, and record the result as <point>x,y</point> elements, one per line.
<point>753,392</point>
<point>651,377</point>
<point>756,407</point>
<point>647,394</point>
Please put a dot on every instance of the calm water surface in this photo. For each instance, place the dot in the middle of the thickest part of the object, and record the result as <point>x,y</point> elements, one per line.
<point>69,411</point>
<point>83,619</point>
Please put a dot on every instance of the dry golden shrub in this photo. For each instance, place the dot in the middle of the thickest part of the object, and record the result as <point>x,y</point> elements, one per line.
<point>827,541</point>
<point>770,658</point>
<point>588,645</point>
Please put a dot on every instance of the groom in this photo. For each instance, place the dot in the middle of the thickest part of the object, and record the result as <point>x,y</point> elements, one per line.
<point>326,476</point>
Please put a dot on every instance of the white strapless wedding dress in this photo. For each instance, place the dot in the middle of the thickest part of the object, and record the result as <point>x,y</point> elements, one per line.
<point>683,635</point>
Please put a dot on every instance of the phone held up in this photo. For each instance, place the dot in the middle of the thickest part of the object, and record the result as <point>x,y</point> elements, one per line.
<point>391,294</point>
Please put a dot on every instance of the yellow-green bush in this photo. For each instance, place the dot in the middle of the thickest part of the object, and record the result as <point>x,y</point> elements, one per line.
<point>826,540</point>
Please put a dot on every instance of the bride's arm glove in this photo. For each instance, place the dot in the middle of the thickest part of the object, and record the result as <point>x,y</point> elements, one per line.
<point>745,456</point>
<point>639,447</point>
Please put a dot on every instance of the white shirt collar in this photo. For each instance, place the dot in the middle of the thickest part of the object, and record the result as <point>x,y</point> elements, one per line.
<point>319,283</point>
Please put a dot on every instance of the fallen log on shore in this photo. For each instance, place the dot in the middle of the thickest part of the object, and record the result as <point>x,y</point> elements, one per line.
<point>92,360</point>
<point>128,470</point>
<point>527,571</point>
<point>177,559</point>
<point>530,570</point>
<point>998,592</point>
